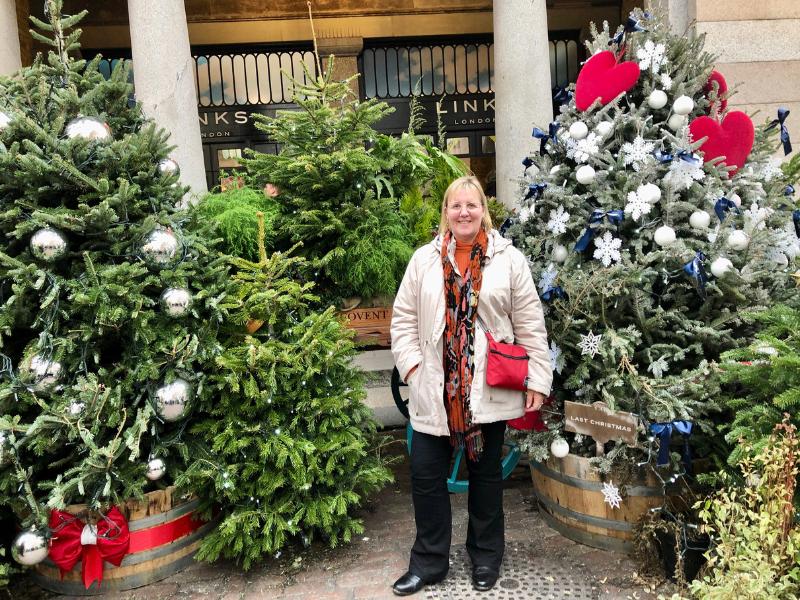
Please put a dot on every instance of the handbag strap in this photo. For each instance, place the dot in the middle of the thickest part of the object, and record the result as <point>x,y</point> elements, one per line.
<point>485,329</point>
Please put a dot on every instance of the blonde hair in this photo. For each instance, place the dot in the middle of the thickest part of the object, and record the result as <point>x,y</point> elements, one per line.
<point>466,182</point>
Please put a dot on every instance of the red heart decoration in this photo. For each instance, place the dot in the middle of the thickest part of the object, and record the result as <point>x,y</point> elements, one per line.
<point>721,90</point>
<point>732,138</point>
<point>603,77</point>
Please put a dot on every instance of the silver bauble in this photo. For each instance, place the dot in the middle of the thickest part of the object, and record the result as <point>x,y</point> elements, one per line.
<point>30,547</point>
<point>88,128</point>
<point>168,167</point>
<point>5,120</point>
<point>40,374</point>
<point>172,399</point>
<point>155,469</point>
<point>160,248</point>
<point>48,244</point>
<point>176,302</point>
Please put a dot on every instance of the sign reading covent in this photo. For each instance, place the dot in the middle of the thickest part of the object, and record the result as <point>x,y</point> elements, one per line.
<point>457,112</point>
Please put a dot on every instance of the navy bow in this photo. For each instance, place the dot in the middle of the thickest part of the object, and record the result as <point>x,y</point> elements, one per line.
<point>551,293</point>
<point>614,216</point>
<point>787,143</point>
<point>535,190</point>
<point>506,224</point>
<point>631,25</point>
<point>662,157</point>
<point>796,219</point>
<point>694,269</point>
<point>561,95</point>
<point>542,135</point>
<point>527,162</point>
<point>723,206</point>
<point>788,190</point>
<point>689,157</point>
<point>664,433</point>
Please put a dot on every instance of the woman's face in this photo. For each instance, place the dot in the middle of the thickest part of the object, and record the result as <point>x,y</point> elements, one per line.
<point>465,214</point>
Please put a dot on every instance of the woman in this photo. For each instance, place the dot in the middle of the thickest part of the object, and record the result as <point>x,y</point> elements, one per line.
<point>466,280</point>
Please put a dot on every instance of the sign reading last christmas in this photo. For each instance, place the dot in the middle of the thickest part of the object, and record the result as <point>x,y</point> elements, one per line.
<point>600,422</point>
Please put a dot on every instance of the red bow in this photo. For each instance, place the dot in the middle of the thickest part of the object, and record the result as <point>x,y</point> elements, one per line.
<point>74,540</point>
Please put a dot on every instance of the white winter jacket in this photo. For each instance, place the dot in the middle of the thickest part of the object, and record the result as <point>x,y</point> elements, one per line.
<point>510,308</point>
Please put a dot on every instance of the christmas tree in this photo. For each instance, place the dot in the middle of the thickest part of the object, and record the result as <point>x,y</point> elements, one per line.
<point>108,310</point>
<point>339,185</point>
<point>653,217</point>
<point>290,442</point>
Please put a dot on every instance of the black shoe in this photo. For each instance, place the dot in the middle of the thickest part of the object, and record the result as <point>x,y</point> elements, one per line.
<point>410,584</point>
<point>484,578</point>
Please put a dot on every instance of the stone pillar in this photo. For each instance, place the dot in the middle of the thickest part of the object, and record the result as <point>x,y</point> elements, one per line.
<point>10,60</point>
<point>164,80</point>
<point>678,13</point>
<point>346,51</point>
<point>523,97</point>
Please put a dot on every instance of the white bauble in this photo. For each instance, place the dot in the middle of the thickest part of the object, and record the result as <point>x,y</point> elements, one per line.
<point>720,266</point>
<point>76,408</point>
<point>559,253</point>
<point>559,448</point>
<point>780,260</point>
<point>736,199</point>
<point>676,122</point>
<point>155,469</point>
<point>649,192</point>
<point>603,128</point>
<point>664,236</point>
<point>738,240</point>
<point>30,547</point>
<point>683,105</point>
<point>700,219</point>
<point>585,174</point>
<point>5,120</point>
<point>657,99</point>
<point>578,130</point>
<point>555,169</point>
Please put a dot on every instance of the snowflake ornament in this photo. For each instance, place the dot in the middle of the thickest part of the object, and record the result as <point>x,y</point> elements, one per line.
<point>607,249</point>
<point>556,357</point>
<point>547,278</point>
<point>786,241</point>
<point>659,367</point>
<point>590,344</point>
<point>651,56</point>
<point>582,150</point>
<point>524,214</point>
<point>558,220</point>
<point>666,81</point>
<point>611,494</point>
<point>637,206</point>
<point>682,174</point>
<point>771,171</point>
<point>755,218</point>
<point>637,153</point>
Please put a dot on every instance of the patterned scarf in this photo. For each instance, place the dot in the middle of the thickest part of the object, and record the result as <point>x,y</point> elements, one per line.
<point>461,308</point>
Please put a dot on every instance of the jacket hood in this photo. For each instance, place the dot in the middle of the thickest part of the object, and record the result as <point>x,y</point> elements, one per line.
<point>497,243</point>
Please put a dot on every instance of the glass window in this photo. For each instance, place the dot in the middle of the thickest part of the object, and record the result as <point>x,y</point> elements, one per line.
<point>487,144</point>
<point>228,158</point>
<point>458,146</point>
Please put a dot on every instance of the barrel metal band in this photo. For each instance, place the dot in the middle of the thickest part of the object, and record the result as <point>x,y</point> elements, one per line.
<point>590,519</point>
<point>585,537</point>
<point>632,490</point>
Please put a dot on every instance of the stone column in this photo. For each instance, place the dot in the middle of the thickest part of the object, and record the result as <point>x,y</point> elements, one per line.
<point>522,88</point>
<point>10,60</point>
<point>164,79</point>
<point>346,51</point>
<point>679,13</point>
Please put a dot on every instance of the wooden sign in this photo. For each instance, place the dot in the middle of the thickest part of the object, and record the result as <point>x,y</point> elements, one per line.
<point>370,324</point>
<point>600,422</point>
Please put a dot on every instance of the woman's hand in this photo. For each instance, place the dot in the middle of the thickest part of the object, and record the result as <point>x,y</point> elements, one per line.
<point>534,401</point>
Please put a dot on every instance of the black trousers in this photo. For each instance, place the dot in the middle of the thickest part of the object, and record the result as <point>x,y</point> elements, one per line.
<point>430,466</point>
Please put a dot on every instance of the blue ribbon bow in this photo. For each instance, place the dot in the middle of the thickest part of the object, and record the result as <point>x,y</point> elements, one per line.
<point>662,157</point>
<point>664,432</point>
<point>506,224</point>
<point>694,269</point>
<point>788,190</point>
<point>561,95</point>
<point>535,190</point>
<point>551,293</point>
<point>542,135</point>
<point>781,120</point>
<point>614,217</point>
<point>724,206</point>
<point>689,157</point>
<point>631,25</point>
<point>527,162</point>
<point>796,219</point>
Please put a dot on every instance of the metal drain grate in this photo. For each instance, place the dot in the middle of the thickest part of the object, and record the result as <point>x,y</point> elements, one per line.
<point>520,578</point>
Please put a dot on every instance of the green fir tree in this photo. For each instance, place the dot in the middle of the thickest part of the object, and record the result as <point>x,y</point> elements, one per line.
<point>637,313</point>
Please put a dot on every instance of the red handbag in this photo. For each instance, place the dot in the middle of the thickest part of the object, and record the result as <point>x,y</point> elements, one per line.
<point>506,364</point>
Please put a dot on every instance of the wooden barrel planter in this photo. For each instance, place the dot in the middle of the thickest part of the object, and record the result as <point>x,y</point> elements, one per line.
<point>164,537</point>
<point>570,495</point>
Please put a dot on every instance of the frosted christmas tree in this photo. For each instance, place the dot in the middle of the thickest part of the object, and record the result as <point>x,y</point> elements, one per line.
<point>653,215</point>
